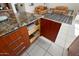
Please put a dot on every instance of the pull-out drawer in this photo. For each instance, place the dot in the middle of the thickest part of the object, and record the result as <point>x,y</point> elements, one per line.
<point>15,43</point>
<point>20,48</point>
<point>4,52</point>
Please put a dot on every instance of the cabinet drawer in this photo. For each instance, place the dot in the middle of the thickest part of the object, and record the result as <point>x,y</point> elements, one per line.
<point>19,48</point>
<point>3,52</point>
<point>27,41</point>
<point>15,43</point>
<point>9,38</point>
<point>16,49</point>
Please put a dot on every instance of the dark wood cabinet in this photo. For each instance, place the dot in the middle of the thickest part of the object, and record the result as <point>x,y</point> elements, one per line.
<point>49,29</point>
<point>15,42</point>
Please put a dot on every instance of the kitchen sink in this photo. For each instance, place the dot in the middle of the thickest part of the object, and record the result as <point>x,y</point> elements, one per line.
<point>3,18</point>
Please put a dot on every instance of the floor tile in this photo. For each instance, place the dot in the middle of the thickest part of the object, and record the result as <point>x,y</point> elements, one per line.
<point>47,54</point>
<point>65,52</point>
<point>43,46</point>
<point>44,43</point>
<point>55,50</point>
<point>60,40</point>
<point>31,47</point>
<point>37,51</point>
<point>69,41</point>
<point>25,54</point>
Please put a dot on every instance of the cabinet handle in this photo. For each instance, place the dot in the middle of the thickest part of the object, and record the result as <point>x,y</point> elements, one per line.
<point>4,53</point>
<point>19,46</point>
<point>15,40</point>
<point>21,50</point>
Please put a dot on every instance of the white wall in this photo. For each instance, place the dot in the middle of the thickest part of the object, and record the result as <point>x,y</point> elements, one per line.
<point>72,6</point>
<point>31,8</point>
<point>28,8</point>
<point>21,8</point>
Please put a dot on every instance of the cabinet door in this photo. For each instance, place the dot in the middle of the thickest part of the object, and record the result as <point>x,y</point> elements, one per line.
<point>49,29</point>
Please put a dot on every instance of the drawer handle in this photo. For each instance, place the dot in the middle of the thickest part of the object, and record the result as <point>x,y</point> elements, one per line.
<point>15,40</point>
<point>19,46</point>
<point>21,50</point>
<point>4,53</point>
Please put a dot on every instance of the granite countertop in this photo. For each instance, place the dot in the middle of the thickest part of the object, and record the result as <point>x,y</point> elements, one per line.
<point>8,25</point>
<point>11,24</point>
<point>24,18</point>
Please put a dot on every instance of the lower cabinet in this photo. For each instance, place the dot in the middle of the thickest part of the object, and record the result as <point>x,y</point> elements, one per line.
<point>49,29</point>
<point>15,42</point>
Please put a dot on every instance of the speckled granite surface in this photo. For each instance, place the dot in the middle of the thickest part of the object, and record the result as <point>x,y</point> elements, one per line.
<point>8,25</point>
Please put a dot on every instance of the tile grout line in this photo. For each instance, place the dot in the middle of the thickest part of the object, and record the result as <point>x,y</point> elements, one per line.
<point>42,47</point>
<point>64,47</point>
<point>31,49</point>
<point>47,50</point>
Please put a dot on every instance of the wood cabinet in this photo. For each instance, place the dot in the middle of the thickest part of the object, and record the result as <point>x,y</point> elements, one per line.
<point>49,29</point>
<point>15,42</point>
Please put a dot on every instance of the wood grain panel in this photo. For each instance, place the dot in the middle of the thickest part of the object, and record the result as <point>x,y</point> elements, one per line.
<point>49,29</point>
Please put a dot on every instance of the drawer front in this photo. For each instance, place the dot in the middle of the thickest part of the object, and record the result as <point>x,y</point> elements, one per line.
<point>26,40</point>
<point>20,48</point>
<point>7,39</point>
<point>2,42</point>
<point>19,45</point>
<point>15,43</point>
<point>4,52</point>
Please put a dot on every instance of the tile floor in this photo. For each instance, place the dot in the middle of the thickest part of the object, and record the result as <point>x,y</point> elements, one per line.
<point>44,47</point>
